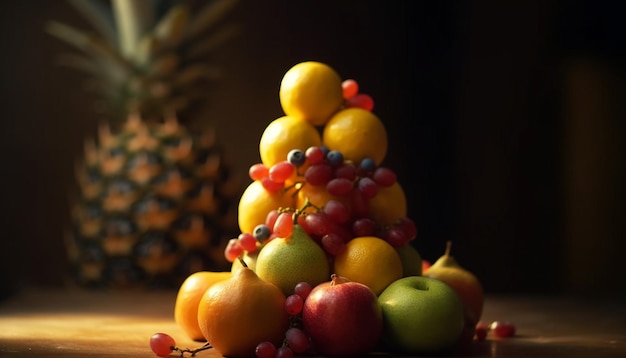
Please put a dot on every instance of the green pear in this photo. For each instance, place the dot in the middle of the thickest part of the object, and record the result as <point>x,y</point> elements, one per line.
<point>469,288</point>
<point>411,260</point>
<point>288,261</point>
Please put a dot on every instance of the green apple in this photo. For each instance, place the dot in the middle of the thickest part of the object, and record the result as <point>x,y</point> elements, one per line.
<point>421,315</point>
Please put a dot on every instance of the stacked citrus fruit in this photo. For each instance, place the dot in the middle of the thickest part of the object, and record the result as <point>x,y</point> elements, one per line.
<point>320,202</point>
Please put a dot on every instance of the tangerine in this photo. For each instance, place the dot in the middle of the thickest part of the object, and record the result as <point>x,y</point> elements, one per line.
<point>188,297</point>
<point>369,260</point>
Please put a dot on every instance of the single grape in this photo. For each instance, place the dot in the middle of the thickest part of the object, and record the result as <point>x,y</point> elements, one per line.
<point>336,211</point>
<point>395,236</point>
<point>314,155</point>
<point>281,171</point>
<point>408,226</point>
<point>346,171</point>
<point>248,241</point>
<point>384,176</point>
<point>296,157</point>
<point>318,223</point>
<point>339,187</point>
<point>333,244</point>
<point>162,344</point>
<point>258,171</point>
<point>318,174</point>
<point>481,330</point>
<point>271,217</point>
<point>261,232</point>
<point>368,165</point>
<point>301,220</point>
<point>265,350</point>
<point>335,158</point>
<point>297,340</point>
<point>350,88</point>
<point>363,227</point>
<point>233,250</point>
<point>283,225</point>
<point>480,334</point>
<point>271,185</point>
<point>294,304</point>
<point>368,187</point>
<point>502,329</point>
<point>303,289</point>
<point>284,352</point>
<point>362,101</point>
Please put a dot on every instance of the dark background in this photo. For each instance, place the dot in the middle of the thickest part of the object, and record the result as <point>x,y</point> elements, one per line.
<point>506,125</point>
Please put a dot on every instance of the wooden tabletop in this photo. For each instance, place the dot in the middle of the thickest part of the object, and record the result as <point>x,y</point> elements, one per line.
<point>73,323</point>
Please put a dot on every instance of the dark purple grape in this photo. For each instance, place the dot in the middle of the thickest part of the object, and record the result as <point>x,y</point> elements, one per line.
<point>296,157</point>
<point>318,174</point>
<point>384,177</point>
<point>367,165</point>
<point>339,187</point>
<point>335,158</point>
<point>261,232</point>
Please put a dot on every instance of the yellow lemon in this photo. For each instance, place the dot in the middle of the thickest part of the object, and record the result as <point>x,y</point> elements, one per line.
<point>284,134</point>
<point>312,91</point>
<point>371,261</point>
<point>357,134</point>
<point>256,202</point>
<point>389,205</point>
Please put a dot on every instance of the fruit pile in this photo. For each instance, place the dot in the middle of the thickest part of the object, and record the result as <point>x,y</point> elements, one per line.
<point>324,262</point>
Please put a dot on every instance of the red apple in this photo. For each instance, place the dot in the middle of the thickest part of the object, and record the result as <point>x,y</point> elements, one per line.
<point>342,318</point>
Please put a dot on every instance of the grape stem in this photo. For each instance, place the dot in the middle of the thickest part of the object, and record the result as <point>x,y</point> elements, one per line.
<point>307,204</point>
<point>192,352</point>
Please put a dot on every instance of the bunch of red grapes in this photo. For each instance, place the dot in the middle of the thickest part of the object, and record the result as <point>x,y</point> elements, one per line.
<point>340,219</point>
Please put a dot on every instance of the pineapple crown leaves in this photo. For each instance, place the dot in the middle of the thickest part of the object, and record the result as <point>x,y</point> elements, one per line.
<point>150,56</point>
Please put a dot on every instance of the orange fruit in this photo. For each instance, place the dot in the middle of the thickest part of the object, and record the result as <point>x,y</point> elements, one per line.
<point>284,134</point>
<point>256,202</point>
<point>312,91</point>
<point>371,261</point>
<point>357,134</point>
<point>389,205</point>
<point>188,297</point>
<point>237,314</point>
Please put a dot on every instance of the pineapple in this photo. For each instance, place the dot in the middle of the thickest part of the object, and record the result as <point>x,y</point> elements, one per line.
<point>156,200</point>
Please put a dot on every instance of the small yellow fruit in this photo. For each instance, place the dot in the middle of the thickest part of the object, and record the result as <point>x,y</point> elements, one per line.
<point>284,134</point>
<point>389,205</point>
<point>357,134</point>
<point>256,202</point>
<point>371,261</point>
<point>312,91</point>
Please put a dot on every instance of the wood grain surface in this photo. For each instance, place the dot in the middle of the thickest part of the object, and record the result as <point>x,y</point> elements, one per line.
<point>78,323</point>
